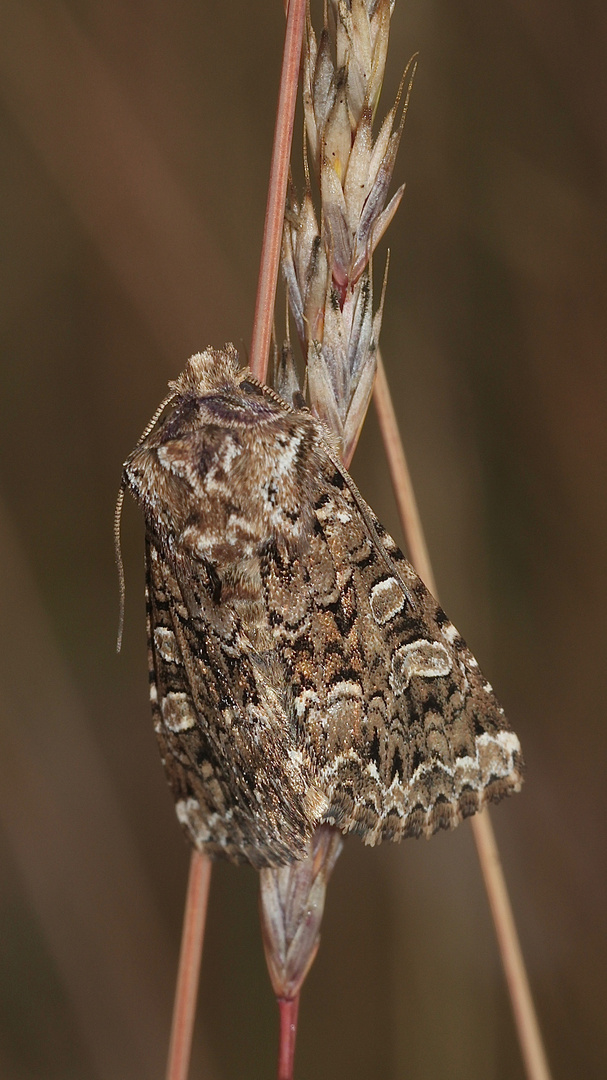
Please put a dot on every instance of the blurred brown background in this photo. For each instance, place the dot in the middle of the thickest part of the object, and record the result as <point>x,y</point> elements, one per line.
<point>135,141</point>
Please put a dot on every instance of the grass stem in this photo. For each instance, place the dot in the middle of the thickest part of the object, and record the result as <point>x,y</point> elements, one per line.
<point>277,190</point>
<point>289,1008</point>
<point>186,991</point>
<point>525,1016</point>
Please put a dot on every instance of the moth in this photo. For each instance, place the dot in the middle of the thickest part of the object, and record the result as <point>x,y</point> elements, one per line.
<point>300,671</point>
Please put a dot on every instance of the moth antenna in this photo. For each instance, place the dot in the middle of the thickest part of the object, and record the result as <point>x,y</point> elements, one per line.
<point>119,564</point>
<point>118,517</point>
<point>149,427</point>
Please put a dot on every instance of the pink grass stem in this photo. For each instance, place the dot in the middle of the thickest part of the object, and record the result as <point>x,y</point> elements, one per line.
<point>200,867</point>
<point>289,1009</point>
<point>277,190</point>
<point>525,1016</point>
<point>186,991</point>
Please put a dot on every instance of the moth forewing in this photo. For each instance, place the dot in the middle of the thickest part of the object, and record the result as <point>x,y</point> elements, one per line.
<point>300,670</point>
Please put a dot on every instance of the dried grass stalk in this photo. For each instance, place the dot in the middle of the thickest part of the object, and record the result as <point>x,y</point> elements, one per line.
<point>525,1016</point>
<point>327,272</point>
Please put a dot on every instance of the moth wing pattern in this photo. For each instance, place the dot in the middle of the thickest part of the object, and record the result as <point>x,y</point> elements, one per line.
<point>241,789</point>
<point>405,734</point>
<point>300,670</point>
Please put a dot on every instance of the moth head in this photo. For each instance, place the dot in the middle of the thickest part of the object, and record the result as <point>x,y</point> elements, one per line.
<point>208,370</point>
<point>225,467</point>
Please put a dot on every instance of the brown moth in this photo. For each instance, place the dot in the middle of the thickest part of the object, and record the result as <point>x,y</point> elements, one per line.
<point>300,671</point>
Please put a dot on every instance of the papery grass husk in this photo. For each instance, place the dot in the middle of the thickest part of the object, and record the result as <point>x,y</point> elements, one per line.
<point>327,267</point>
<point>292,901</point>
